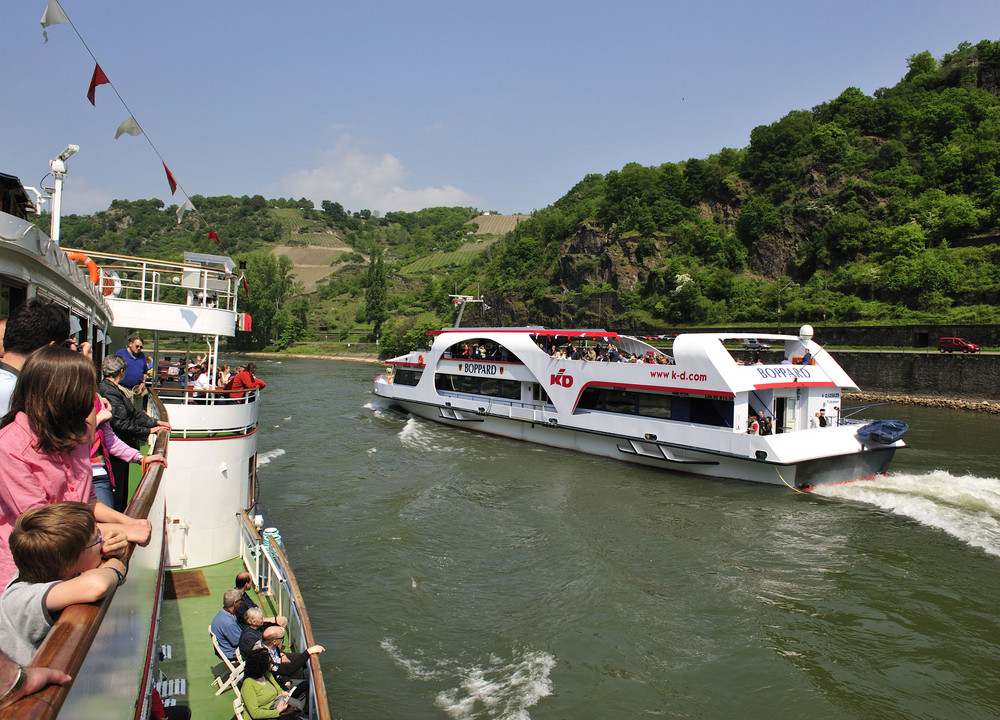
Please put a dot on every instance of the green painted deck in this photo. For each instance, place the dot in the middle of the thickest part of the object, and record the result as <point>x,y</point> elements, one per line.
<point>184,626</point>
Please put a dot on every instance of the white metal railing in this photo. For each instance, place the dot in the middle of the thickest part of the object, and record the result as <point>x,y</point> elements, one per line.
<point>131,278</point>
<point>265,560</point>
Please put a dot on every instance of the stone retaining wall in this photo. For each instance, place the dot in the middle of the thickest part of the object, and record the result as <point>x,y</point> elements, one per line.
<point>930,374</point>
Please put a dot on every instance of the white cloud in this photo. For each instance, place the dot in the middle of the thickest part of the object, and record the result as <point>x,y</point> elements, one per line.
<point>360,180</point>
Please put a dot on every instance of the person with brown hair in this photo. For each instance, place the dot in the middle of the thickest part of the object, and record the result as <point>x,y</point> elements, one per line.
<point>57,550</point>
<point>45,443</point>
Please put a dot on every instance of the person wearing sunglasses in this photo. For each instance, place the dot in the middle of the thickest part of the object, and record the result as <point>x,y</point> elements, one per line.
<point>135,365</point>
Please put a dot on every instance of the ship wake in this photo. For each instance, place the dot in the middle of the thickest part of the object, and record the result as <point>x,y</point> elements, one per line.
<point>966,507</point>
<point>496,688</point>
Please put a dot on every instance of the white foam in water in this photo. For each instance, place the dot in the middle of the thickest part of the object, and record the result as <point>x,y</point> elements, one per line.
<point>965,507</point>
<point>425,436</point>
<point>379,408</point>
<point>501,690</point>
<point>265,458</point>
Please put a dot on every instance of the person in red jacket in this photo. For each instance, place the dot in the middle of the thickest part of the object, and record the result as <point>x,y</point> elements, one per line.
<point>244,380</point>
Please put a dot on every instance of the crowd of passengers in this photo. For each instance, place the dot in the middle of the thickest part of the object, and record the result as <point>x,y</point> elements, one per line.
<point>489,350</point>
<point>67,440</point>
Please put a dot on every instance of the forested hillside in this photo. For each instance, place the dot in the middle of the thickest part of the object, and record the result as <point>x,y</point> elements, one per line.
<point>867,209</point>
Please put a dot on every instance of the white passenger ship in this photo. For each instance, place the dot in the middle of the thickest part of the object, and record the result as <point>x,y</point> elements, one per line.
<point>687,411</point>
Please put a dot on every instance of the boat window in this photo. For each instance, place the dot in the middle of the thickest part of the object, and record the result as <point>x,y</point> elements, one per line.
<point>619,401</point>
<point>445,382</point>
<point>488,386</point>
<point>405,376</point>
<point>657,406</point>
<point>510,389</point>
<point>718,413</point>
<point>538,394</point>
<point>473,385</point>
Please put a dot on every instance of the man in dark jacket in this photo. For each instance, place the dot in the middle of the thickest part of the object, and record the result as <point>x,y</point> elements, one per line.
<point>130,423</point>
<point>288,667</point>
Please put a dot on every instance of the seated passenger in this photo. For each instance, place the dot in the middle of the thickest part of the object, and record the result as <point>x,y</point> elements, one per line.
<point>288,667</point>
<point>224,626</point>
<point>251,634</point>
<point>806,359</point>
<point>57,550</point>
<point>244,581</point>
<point>262,696</point>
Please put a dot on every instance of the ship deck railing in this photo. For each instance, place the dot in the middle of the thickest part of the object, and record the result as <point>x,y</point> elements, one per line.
<point>131,278</point>
<point>267,563</point>
<point>69,641</point>
<point>212,414</point>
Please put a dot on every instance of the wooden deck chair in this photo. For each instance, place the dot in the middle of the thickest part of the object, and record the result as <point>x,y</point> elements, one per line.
<point>238,707</point>
<point>235,671</point>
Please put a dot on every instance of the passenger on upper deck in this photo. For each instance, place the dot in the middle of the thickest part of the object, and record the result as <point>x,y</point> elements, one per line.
<point>45,443</point>
<point>57,550</point>
<point>33,324</point>
<point>129,422</point>
<point>135,365</point>
<point>807,358</point>
<point>244,380</point>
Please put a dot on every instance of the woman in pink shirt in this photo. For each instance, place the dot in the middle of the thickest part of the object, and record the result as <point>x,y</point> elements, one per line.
<point>45,443</point>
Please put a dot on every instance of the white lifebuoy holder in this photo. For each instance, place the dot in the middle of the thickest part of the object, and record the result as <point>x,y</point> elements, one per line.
<point>111,284</point>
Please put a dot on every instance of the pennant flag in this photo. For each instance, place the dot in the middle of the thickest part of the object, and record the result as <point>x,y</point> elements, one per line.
<point>485,306</point>
<point>213,236</point>
<point>130,126</point>
<point>53,15</point>
<point>188,205</point>
<point>170,179</point>
<point>246,288</point>
<point>99,79</point>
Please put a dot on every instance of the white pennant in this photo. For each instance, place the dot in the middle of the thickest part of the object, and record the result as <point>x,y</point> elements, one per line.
<point>53,15</point>
<point>130,126</point>
<point>188,205</point>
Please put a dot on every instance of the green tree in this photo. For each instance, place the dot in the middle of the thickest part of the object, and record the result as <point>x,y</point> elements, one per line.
<point>268,284</point>
<point>375,293</point>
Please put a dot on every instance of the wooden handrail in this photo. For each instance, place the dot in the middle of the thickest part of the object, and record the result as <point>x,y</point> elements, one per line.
<point>322,703</point>
<point>70,638</point>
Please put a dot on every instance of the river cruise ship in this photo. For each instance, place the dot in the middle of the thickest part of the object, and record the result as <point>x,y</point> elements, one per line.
<point>152,632</point>
<point>708,407</point>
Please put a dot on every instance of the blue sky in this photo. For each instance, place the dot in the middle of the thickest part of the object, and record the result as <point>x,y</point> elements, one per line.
<point>403,104</point>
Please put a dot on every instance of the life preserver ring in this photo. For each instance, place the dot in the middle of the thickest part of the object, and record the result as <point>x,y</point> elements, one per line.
<point>421,360</point>
<point>111,284</point>
<point>95,272</point>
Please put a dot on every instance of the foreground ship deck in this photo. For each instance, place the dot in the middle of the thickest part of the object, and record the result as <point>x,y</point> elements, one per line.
<point>198,506</point>
<point>688,411</point>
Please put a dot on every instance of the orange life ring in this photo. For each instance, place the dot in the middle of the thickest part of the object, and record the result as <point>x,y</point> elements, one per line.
<point>421,360</point>
<point>95,272</point>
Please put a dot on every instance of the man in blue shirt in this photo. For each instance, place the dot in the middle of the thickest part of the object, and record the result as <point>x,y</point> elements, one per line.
<point>135,364</point>
<point>224,626</point>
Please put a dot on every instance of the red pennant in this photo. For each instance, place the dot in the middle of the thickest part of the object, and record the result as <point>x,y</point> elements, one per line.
<point>99,79</point>
<point>246,288</point>
<point>213,236</point>
<point>170,179</point>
